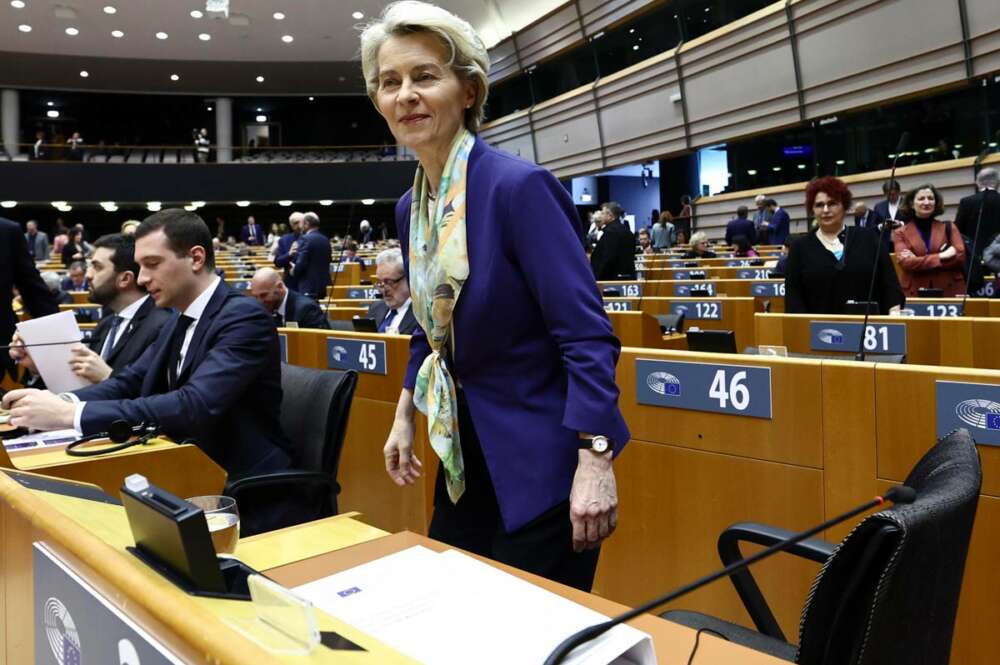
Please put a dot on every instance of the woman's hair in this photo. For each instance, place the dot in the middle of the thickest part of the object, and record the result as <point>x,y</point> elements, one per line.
<point>666,217</point>
<point>467,55</point>
<point>742,245</point>
<point>74,233</point>
<point>832,187</point>
<point>699,236</point>
<point>910,196</point>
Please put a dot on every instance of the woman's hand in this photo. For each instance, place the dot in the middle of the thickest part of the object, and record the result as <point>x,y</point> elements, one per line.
<point>948,253</point>
<point>593,500</point>
<point>400,462</point>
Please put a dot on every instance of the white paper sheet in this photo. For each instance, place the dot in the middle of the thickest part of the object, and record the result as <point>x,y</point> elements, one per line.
<point>451,609</point>
<point>53,361</point>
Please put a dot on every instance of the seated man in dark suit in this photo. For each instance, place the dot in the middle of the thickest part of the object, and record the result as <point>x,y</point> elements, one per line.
<point>213,376</point>
<point>311,264</point>
<point>392,313</point>
<point>741,226</point>
<point>287,308</point>
<point>132,321</point>
<point>77,278</point>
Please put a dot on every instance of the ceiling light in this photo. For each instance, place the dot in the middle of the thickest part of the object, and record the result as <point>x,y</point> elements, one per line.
<point>175,77</point>
<point>72,32</point>
<point>190,208</point>
<point>326,202</point>
<point>285,203</point>
<point>107,204</point>
<point>58,204</point>
<point>243,204</point>
<point>368,202</point>
<point>801,166</point>
<point>84,74</point>
<point>162,35</point>
<point>775,168</point>
<point>312,98</point>
<point>204,36</point>
<point>50,103</point>
<point>8,204</point>
<point>153,206</point>
<point>195,13</point>
<point>288,39</point>
<point>261,118</point>
<point>752,172</point>
<point>635,47</point>
<point>210,108</point>
<point>52,113</point>
<point>17,4</point>
<point>108,9</point>
<point>357,16</point>
<point>65,208</point>
<point>260,79</point>
<point>198,204</point>
<point>117,34</point>
<point>840,162</point>
<point>24,28</point>
<point>260,110</point>
<point>278,16</point>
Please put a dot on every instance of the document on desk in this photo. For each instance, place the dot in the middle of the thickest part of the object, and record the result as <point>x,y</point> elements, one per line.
<point>52,360</point>
<point>451,609</point>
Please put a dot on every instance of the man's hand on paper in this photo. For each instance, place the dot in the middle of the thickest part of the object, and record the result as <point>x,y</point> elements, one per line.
<point>88,364</point>
<point>593,500</point>
<point>39,409</point>
<point>21,355</point>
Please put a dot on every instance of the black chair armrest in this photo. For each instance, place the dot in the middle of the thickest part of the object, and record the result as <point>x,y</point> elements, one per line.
<point>279,478</point>
<point>813,549</point>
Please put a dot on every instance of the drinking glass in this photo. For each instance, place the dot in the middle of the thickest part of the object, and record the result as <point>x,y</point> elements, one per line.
<point>223,519</point>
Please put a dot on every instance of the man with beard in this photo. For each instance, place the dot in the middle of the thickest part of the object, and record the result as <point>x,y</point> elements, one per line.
<point>131,322</point>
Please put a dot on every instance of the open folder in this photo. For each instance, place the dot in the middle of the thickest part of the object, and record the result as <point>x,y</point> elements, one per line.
<point>451,609</point>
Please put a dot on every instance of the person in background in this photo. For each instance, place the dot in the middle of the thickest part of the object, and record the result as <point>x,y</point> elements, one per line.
<point>523,354</point>
<point>743,248</point>
<point>75,143</point>
<point>664,233</point>
<point>645,242</point>
<point>60,238</point>
<point>930,253</point>
<point>393,314</point>
<point>740,226</point>
<point>76,280</point>
<point>38,150</point>
<point>73,249</point>
<point>888,208</point>
<point>682,238</point>
<point>699,247</point>
<point>832,265</point>
<point>365,233</point>
<point>763,214</point>
<point>252,233</point>
<point>201,146</point>
<point>38,242</point>
<point>686,212</point>
<point>862,215</point>
<point>272,236</point>
<point>53,282</point>
<point>614,254</point>
<point>284,305</point>
<point>283,249</point>
<point>310,262</point>
<point>779,266</point>
<point>88,249</point>
<point>987,200</point>
<point>775,230</point>
<point>350,254</point>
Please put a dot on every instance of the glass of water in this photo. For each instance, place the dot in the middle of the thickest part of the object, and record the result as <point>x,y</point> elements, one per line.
<point>223,519</point>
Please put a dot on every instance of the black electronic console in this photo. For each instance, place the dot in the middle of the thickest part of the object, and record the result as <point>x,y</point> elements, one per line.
<point>171,537</point>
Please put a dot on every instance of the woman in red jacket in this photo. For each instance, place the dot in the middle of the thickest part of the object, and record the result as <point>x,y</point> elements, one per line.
<point>930,252</point>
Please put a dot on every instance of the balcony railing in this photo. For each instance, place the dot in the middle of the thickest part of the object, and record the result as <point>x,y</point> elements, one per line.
<point>189,154</point>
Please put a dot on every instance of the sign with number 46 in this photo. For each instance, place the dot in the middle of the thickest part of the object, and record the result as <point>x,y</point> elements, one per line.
<point>733,389</point>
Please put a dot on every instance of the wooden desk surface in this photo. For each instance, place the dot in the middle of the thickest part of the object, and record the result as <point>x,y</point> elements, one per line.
<point>673,642</point>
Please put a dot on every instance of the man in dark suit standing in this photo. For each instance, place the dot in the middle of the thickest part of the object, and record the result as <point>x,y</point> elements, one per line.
<point>252,233</point>
<point>393,313</point>
<point>131,325</point>
<point>286,248</point>
<point>986,199</point>
<point>776,229</point>
<point>288,308</point>
<point>38,242</point>
<point>18,270</point>
<point>311,263</point>
<point>887,210</point>
<point>741,226</point>
<point>214,375</point>
<point>614,255</point>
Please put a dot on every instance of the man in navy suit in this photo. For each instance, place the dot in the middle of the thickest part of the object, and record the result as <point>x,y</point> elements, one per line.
<point>213,376</point>
<point>252,233</point>
<point>285,249</point>
<point>311,262</point>
<point>288,308</point>
<point>741,226</point>
<point>775,229</point>
<point>77,278</point>
<point>393,313</point>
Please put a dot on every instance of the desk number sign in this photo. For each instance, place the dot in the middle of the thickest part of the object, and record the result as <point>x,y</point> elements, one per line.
<point>769,289</point>
<point>625,289</point>
<point>698,310</point>
<point>974,406</point>
<point>844,336</point>
<point>937,309</point>
<point>755,273</point>
<point>361,355</point>
<point>685,289</point>
<point>731,389</point>
<point>617,306</point>
<point>362,294</point>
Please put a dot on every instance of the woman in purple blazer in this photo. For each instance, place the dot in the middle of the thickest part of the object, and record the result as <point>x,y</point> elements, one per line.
<point>514,360</point>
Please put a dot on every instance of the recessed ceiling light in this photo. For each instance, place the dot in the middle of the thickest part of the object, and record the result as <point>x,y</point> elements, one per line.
<point>72,32</point>
<point>198,204</point>
<point>84,73</point>
<point>261,118</point>
<point>8,204</point>
<point>24,28</point>
<point>635,47</point>
<point>259,109</point>
<point>326,202</point>
<point>752,172</point>
<point>175,77</point>
<point>285,203</point>
<point>162,35</point>
<point>312,98</point>
<point>153,206</point>
<point>65,208</point>
<point>368,202</point>
<point>357,16</point>
<point>50,103</point>
<point>17,4</point>
<point>209,108</point>
<point>260,79</point>
<point>117,34</point>
<point>108,9</point>
<point>288,39</point>
<point>278,16</point>
<point>58,204</point>
<point>195,13</point>
<point>243,204</point>
<point>204,36</point>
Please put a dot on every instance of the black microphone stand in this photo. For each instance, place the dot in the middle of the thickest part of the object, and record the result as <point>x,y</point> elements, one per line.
<point>340,266</point>
<point>970,259</point>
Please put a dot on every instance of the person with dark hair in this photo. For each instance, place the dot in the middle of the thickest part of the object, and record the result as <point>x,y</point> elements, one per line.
<point>73,249</point>
<point>131,322</point>
<point>252,233</point>
<point>213,376</point>
<point>888,209</point>
<point>930,252</point>
<point>776,228</point>
<point>663,233</point>
<point>615,213</point>
<point>645,242</point>
<point>614,254</point>
<point>76,280</point>
<point>743,248</point>
<point>741,226</point>
<point>310,265</point>
<point>832,265</point>
<point>38,242</point>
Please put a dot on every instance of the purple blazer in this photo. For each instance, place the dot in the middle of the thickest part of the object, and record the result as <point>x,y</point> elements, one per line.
<point>534,350</point>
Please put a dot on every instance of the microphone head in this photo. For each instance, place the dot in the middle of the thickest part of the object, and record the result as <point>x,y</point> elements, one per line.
<point>904,142</point>
<point>901,494</point>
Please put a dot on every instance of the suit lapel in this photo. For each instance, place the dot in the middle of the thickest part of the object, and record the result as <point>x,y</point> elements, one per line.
<point>194,350</point>
<point>156,377</point>
<point>130,329</point>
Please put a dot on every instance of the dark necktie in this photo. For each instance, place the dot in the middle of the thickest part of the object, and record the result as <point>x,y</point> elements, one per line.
<point>279,320</point>
<point>183,323</point>
<point>387,320</point>
<point>109,342</point>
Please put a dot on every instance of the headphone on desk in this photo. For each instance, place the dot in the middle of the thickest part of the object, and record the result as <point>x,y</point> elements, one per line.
<point>121,432</point>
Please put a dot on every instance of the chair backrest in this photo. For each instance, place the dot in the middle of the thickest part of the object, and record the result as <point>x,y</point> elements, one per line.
<point>315,406</point>
<point>889,592</point>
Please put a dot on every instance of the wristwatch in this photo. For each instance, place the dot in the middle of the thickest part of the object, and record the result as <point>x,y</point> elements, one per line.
<point>599,444</point>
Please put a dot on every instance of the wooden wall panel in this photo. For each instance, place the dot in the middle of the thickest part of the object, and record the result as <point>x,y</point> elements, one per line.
<point>555,32</point>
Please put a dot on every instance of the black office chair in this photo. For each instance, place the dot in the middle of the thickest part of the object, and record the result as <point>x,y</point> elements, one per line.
<point>341,324</point>
<point>315,407</point>
<point>888,593</point>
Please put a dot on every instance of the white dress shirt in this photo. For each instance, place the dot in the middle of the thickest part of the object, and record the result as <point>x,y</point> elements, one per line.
<point>893,207</point>
<point>393,327</point>
<point>126,316</point>
<point>284,303</point>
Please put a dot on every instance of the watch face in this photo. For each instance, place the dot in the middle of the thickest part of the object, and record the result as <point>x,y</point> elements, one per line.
<point>600,444</point>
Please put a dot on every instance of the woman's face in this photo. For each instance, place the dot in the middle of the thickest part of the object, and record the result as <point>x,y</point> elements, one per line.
<point>421,98</point>
<point>924,203</point>
<point>701,247</point>
<point>829,212</point>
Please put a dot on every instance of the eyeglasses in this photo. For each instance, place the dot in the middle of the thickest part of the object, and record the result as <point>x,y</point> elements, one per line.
<point>828,205</point>
<point>388,283</point>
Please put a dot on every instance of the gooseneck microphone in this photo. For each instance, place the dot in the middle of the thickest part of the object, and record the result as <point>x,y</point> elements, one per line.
<point>30,346</point>
<point>340,266</point>
<point>971,258</point>
<point>904,141</point>
<point>898,494</point>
